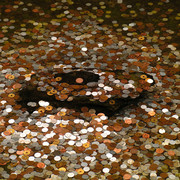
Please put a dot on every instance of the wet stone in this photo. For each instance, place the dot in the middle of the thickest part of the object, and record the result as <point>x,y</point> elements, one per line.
<point>31,93</point>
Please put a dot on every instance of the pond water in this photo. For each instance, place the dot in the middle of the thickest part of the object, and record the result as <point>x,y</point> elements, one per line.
<point>89,89</point>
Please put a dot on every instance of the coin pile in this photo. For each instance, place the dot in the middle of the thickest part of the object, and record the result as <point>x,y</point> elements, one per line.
<point>65,67</point>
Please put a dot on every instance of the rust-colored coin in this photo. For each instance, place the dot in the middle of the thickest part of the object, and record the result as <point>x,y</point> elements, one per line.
<point>117,127</point>
<point>75,93</point>
<point>40,165</point>
<point>25,158</point>
<point>64,91</point>
<point>64,84</point>
<point>128,121</point>
<point>6,133</point>
<point>127,176</point>
<point>63,96</point>
<point>84,109</point>
<point>117,150</point>
<point>171,153</point>
<point>103,98</point>
<point>59,88</point>
<point>164,175</point>
<point>79,80</point>
<point>8,90</point>
<point>17,86</point>
<point>87,114</point>
<point>124,81</point>
<point>153,167</point>
<point>159,150</point>
<point>82,92</point>
<point>145,135</point>
<point>13,176</point>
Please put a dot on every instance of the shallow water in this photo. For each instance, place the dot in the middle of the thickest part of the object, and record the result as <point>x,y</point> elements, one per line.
<point>89,90</point>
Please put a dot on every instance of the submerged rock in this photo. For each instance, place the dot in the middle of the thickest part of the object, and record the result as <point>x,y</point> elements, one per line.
<point>104,91</point>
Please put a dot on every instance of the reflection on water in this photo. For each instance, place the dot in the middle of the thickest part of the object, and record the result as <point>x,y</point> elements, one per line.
<point>89,90</point>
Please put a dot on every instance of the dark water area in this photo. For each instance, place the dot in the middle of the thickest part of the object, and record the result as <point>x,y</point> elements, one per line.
<point>89,89</point>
